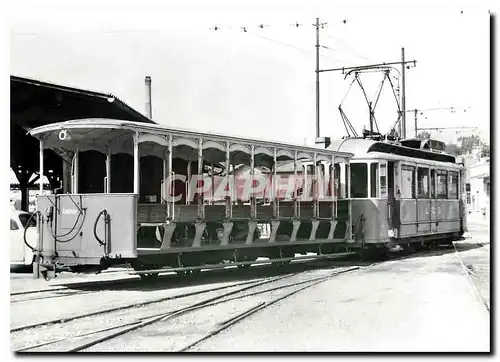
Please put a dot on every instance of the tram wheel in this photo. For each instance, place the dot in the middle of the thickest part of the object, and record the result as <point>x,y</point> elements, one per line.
<point>195,272</point>
<point>280,264</point>
<point>149,276</point>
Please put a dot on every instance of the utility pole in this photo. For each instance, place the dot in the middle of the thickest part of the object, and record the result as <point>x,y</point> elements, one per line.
<point>317,25</point>
<point>416,130</point>
<point>403,100</point>
<point>415,112</point>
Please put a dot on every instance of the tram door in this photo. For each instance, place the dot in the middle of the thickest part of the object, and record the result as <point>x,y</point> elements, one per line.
<point>433,200</point>
<point>392,203</point>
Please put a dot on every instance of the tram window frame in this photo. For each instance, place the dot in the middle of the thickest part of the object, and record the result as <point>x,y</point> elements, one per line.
<point>423,174</point>
<point>451,195</point>
<point>412,182</point>
<point>441,175</point>
<point>383,179</point>
<point>374,179</point>
<point>363,189</point>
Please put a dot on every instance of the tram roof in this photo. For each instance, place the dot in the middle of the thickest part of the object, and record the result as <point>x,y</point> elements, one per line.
<point>98,133</point>
<point>359,146</point>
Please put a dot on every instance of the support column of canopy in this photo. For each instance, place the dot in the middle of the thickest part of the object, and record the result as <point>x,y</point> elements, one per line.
<point>200,182</point>
<point>164,177</point>
<point>136,164</point>
<point>107,185</point>
<point>333,195</point>
<point>274,189</point>
<point>75,171</point>
<point>188,181</point>
<point>275,223</point>
<point>253,206</point>
<point>168,196</point>
<point>229,193</point>
<point>227,224</point>
<point>333,189</point>
<point>41,166</point>
<point>296,212</point>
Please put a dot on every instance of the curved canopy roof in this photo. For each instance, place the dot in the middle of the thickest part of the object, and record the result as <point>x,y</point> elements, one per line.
<point>99,134</point>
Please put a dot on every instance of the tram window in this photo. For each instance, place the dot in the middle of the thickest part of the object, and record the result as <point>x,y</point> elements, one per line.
<point>407,182</point>
<point>453,185</point>
<point>467,193</point>
<point>433,184</point>
<point>374,180</point>
<point>359,180</point>
<point>423,183</point>
<point>383,180</point>
<point>442,184</point>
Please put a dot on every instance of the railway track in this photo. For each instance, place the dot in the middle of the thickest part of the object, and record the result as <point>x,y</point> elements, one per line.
<point>162,283</point>
<point>236,295</point>
<point>230,303</point>
<point>118,308</point>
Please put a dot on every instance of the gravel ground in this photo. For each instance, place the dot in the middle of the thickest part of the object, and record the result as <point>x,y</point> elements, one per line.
<point>176,333</point>
<point>34,336</point>
<point>477,260</point>
<point>416,304</point>
<point>28,312</point>
<point>151,338</point>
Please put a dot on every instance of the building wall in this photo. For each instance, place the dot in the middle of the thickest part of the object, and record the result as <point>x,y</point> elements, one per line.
<point>478,177</point>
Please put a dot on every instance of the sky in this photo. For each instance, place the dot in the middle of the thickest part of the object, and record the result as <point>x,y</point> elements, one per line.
<point>261,83</point>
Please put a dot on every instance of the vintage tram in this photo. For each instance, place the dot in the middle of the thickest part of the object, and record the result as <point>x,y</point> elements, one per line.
<point>163,199</point>
<point>168,199</point>
<point>408,192</point>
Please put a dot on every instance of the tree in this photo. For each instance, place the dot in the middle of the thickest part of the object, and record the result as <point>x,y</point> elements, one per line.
<point>468,143</point>
<point>485,150</point>
<point>424,135</point>
<point>453,149</point>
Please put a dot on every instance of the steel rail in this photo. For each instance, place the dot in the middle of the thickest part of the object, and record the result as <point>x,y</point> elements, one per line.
<point>114,309</point>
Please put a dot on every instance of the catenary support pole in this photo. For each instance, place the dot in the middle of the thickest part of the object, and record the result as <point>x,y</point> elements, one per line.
<point>403,95</point>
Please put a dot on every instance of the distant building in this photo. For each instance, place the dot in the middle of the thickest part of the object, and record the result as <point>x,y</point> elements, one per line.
<point>478,186</point>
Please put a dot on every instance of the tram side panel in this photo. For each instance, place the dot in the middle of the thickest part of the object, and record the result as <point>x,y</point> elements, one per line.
<point>448,215</point>
<point>408,218</point>
<point>375,226</point>
<point>424,212</point>
<point>88,228</point>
